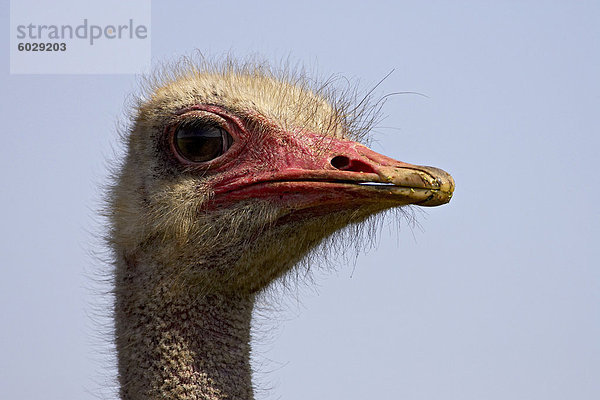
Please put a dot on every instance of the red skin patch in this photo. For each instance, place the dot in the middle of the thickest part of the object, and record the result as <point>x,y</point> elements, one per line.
<point>303,169</point>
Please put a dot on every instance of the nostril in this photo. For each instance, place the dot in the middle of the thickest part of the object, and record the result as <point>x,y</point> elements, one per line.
<point>346,164</point>
<point>340,162</point>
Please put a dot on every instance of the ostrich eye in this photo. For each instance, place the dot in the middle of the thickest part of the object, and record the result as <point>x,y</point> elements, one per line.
<point>199,143</point>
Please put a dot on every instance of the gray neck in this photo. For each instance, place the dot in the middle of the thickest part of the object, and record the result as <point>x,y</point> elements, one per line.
<point>181,346</point>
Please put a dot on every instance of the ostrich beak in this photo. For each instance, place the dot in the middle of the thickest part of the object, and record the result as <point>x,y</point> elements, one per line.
<point>420,185</point>
<point>334,173</point>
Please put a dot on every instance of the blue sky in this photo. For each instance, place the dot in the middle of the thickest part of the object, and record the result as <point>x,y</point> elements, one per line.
<point>493,296</point>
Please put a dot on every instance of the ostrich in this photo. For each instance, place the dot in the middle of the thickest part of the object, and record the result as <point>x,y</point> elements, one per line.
<point>233,174</point>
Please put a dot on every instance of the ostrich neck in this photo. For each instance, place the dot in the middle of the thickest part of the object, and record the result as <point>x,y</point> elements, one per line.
<point>180,346</point>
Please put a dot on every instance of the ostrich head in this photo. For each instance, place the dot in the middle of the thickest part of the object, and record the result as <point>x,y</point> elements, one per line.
<point>232,175</point>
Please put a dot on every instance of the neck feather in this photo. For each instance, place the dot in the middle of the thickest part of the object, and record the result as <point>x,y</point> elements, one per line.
<point>181,345</point>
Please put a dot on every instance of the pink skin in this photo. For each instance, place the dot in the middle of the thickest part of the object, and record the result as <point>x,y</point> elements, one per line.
<point>304,169</point>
